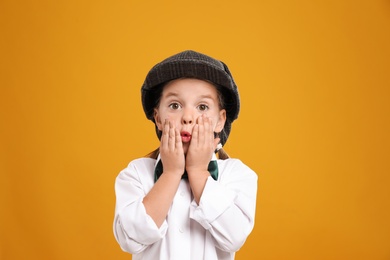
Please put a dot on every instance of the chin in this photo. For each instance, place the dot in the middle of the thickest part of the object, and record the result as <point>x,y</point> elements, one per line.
<point>185,148</point>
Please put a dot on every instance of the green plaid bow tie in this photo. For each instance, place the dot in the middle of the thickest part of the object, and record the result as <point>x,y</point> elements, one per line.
<point>212,168</point>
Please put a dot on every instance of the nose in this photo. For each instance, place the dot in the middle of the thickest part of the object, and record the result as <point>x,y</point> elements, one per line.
<point>187,118</point>
<point>187,122</point>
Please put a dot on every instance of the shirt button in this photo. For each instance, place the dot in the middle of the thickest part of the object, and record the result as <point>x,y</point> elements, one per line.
<point>181,230</point>
<point>182,193</point>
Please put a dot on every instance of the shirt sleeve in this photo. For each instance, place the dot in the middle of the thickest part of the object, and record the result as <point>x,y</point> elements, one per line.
<point>227,206</point>
<point>134,229</point>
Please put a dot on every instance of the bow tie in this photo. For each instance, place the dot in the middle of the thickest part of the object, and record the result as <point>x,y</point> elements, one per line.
<point>212,168</point>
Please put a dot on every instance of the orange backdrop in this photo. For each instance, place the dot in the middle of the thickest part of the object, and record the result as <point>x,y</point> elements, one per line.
<point>314,80</point>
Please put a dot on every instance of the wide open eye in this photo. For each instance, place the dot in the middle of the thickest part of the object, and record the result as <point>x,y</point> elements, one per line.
<point>174,106</point>
<point>203,107</point>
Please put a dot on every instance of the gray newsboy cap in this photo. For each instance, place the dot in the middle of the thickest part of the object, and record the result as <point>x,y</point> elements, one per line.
<point>191,64</point>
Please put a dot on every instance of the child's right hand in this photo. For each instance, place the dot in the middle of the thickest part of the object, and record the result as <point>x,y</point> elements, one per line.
<point>171,150</point>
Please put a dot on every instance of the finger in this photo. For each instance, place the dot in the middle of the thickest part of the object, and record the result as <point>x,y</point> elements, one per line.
<point>178,143</point>
<point>201,130</point>
<point>172,136</point>
<point>195,135</point>
<point>207,134</point>
<point>165,134</point>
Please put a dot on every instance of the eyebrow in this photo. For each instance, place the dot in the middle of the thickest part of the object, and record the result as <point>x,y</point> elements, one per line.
<point>174,94</point>
<point>206,96</point>
<point>171,94</point>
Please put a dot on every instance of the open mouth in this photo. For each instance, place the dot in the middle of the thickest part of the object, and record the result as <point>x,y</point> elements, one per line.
<point>185,137</point>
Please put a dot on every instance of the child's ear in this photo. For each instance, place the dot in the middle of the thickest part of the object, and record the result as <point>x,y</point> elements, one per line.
<point>221,121</point>
<point>157,119</point>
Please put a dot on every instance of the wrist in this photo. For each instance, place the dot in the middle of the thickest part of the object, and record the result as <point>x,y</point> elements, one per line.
<point>197,171</point>
<point>173,174</point>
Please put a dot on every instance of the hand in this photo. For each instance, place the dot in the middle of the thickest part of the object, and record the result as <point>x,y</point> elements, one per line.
<point>171,150</point>
<point>202,146</point>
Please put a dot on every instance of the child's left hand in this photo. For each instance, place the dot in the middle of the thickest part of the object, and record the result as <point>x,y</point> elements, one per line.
<point>202,146</point>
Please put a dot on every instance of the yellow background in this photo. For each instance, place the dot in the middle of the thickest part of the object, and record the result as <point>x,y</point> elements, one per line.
<point>314,80</point>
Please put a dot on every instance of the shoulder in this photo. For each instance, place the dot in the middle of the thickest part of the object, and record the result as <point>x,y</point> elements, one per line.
<point>237,168</point>
<point>139,168</point>
<point>142,162</point>
<point>233,163</point>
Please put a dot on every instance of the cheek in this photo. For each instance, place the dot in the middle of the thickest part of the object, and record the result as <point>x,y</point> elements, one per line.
<point>217,124</point>
<point>173,118</point>
<point>215,128</point>
<point>215,120</point>
<point>185,147</point>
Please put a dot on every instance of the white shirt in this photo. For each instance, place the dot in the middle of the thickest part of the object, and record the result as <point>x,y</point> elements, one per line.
<point>214,229</point>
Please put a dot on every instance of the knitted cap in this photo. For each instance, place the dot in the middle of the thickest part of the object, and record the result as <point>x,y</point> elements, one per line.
<point>191,64</point>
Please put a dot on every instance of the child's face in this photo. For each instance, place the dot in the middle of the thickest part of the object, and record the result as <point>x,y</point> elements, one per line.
<point>183,101</point>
